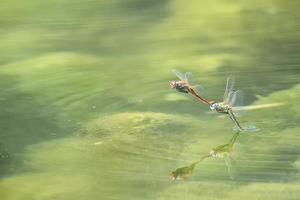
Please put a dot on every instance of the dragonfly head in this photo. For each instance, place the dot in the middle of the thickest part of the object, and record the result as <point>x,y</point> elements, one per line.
<point>173,84</point>
<point>213,106</point>
<point>173,175</point>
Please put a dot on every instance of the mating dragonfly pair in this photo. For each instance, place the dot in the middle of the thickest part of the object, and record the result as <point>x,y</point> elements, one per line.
<point>232,100</point>
<point>231,106</point>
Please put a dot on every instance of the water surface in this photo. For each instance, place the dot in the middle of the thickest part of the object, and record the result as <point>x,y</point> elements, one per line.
<point>87,113</point>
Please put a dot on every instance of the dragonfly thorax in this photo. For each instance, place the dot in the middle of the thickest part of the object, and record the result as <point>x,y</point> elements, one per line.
<point>177,84</point>
<point>220,107</point>
<point>180,86</point>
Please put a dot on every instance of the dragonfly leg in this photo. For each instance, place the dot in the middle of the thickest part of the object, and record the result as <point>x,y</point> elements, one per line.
<point>182,89</point>
<point>233,139</point>
<point>232,117</point>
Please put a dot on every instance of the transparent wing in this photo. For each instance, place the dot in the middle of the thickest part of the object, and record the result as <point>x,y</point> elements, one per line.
<point>229,88</point>
<point>198,89</point>
<point>229,96</point>
<point>237,99</point>
<point>189,78</point>
<point>237,102</point>
<point>178,74</point>
<point>237,151</point>
<point>229,161</point>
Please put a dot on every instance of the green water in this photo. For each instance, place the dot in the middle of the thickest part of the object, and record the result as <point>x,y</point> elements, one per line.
<point>87,112</point>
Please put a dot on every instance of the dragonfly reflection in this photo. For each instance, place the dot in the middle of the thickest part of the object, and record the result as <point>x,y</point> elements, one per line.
<point>223,151</point>
<point>184,172</point>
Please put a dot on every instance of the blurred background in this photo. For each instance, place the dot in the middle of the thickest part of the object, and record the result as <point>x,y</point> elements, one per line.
<point>87,112</point>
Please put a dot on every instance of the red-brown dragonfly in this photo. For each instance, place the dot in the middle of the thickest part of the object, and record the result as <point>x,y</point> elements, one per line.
<point>186,85</point>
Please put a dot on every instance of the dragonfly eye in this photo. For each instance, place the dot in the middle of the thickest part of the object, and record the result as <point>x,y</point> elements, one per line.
<point>213,106</point>
<point>173,84</point>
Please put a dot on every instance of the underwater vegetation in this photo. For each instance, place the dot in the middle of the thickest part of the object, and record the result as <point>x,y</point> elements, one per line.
<point>122,151</point>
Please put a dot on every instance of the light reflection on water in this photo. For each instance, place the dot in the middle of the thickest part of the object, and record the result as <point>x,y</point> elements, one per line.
<point>87,112</point>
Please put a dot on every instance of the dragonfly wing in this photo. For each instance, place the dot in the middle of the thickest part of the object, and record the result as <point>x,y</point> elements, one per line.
<point>229,88</point>
<point>237,99</point>
<point>189,78</point>
<point>237,102</point>
<point>229,161</point>
<point>198,89</point>
<point>229,96</point>
<point>178,74</point>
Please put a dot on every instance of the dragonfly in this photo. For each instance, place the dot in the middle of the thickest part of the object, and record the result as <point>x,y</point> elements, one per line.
<point>184,172</point>
<point>231,100</point>
<point>186,85</point>
<point>224,151</point>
